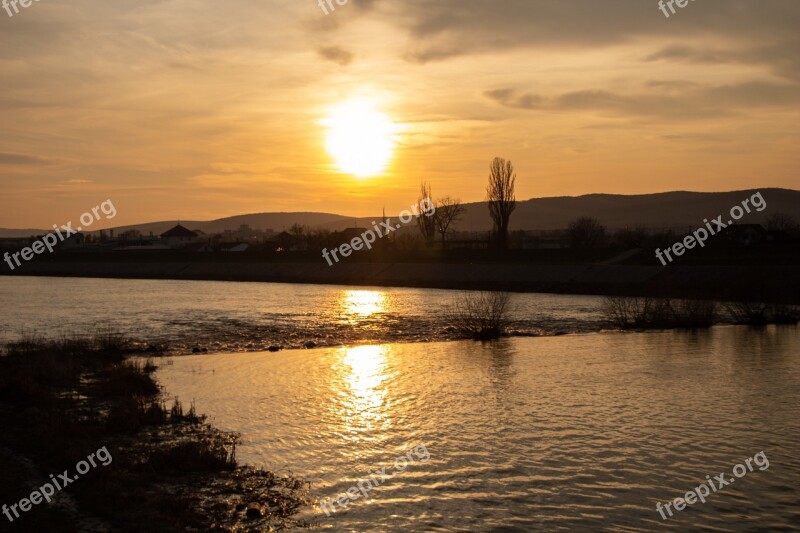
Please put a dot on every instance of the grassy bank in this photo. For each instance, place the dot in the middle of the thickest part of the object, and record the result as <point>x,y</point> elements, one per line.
<point>62,400</point>
<point>709,274</point>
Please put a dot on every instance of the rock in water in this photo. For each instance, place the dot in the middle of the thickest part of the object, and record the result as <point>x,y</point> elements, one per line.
<point>253,511</point>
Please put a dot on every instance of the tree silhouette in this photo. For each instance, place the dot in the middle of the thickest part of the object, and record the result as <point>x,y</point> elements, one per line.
<point>427,225</point>
<point>783,222</point>
<point>500,194</point>
<point>447,211</point>
<point>585,232</point>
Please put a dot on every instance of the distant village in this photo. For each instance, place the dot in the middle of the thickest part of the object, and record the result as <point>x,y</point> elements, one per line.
<point>583,233</point>
<point>178,237</point>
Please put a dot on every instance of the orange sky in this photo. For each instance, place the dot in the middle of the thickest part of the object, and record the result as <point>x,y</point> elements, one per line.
<point>193,109</point>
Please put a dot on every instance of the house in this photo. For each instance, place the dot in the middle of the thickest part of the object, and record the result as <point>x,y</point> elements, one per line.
<point>347,234</point>
<point>286,242</point>
<point>745,234</point>
<point>179,237</point>
<point>73,242</point>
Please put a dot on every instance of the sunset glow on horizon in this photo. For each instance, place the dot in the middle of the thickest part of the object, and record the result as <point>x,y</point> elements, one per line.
<point>180,110</point>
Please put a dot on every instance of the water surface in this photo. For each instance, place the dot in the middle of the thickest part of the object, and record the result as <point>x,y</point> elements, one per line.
<point>572,433</point>
<point>234,316</point>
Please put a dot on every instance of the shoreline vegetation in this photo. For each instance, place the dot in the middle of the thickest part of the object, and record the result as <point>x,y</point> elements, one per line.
<point>671,313</point>
<point>60,399</point>
<point>484,315</point>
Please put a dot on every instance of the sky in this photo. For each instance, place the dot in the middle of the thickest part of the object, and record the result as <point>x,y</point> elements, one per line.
<point>199,109</point>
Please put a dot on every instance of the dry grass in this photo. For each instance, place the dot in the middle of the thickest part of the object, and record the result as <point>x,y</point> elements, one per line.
<point>104,343</point>
<point>209,454</point>
<point>125,379</point>
<point>176,413</point>
<point>63,397</point>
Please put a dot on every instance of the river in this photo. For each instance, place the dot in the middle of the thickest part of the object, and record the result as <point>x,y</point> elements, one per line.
<point>585,431</point>
<point>226,316</point>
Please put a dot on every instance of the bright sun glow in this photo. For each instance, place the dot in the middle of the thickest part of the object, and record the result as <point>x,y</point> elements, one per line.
<point>360,138</point>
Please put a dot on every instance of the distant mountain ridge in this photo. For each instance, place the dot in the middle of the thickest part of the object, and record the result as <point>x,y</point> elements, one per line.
<point>7,233</point>
<point>669,209</point>
<point>660,210</point>
<point>262,221</point>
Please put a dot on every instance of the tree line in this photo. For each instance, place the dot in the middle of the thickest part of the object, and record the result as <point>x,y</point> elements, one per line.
<point>501,202</point>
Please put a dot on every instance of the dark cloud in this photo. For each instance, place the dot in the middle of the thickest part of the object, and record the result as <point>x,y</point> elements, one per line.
<point>693,103</point>
<point>758,33</point>
<point>18,159</point>
<point>782,58</point>
<point>669,85</point>
<point>338,55</point>
<point>691,54</point>
<point>510,98</point>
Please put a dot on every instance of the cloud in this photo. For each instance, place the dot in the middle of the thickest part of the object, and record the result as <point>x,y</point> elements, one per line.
<point>443,29</point>
<point>692,54</point>
<point>694,103</point>
<point>782,58</point>
<point>18,159</point>
<point>338,55</point>
<point>510,98</point>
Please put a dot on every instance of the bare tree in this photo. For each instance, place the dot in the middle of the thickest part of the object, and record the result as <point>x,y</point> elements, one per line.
<point>585,232</point>
<point>427,224</point>
<point>298,230</point>
<point>783,222</point>
<point>500,194</point>
<point>447,211</point>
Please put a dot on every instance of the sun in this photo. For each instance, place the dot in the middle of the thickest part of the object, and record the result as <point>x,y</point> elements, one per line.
<point>360,138</point>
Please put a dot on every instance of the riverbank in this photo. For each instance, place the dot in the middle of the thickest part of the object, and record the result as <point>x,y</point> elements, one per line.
<point>762,281</point>
<point>163,470</point>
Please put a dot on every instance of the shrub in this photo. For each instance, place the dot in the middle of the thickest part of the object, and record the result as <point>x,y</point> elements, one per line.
<point>693,313</point>
<point>784,313</point>
<point>750,313</point>
<point>638,313</point>
<point>621,311</point>
<point>761,314</point>
<point>481,315</point>
<point>585,232</point>
<point>659,313</point>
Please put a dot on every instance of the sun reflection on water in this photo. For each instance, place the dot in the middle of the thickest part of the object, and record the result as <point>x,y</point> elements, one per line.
<point>364,303</point>
<point>364,372</point>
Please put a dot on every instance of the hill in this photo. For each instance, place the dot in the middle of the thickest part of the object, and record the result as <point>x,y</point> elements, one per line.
<point>660,210</point>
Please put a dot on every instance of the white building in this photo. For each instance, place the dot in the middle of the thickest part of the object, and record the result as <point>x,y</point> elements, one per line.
<point>179,237</point>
